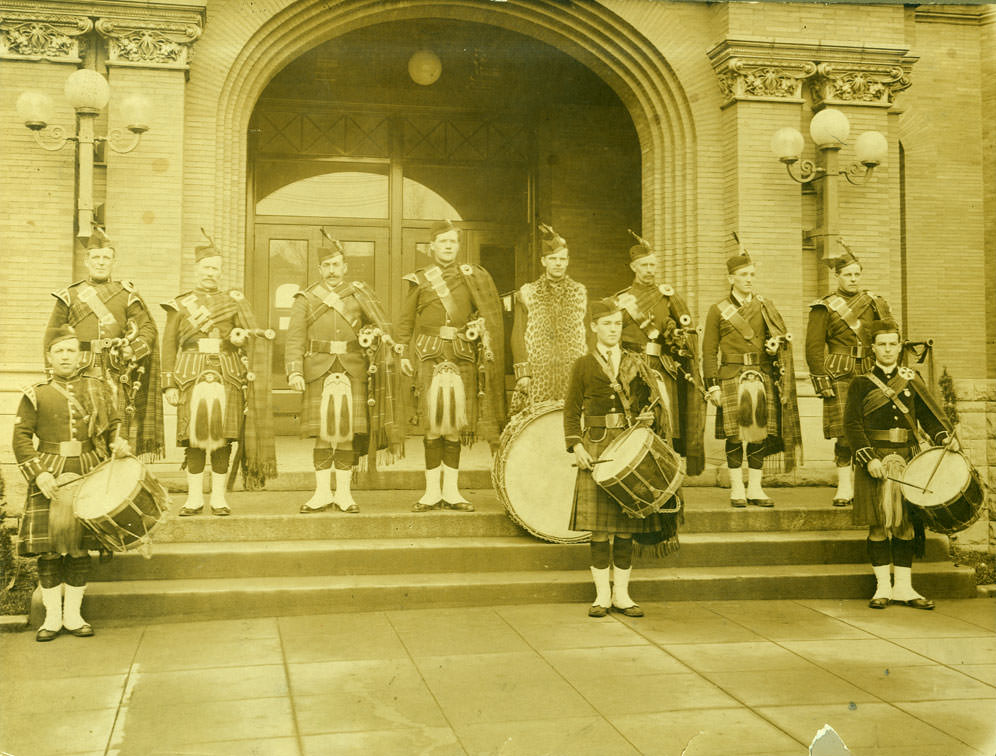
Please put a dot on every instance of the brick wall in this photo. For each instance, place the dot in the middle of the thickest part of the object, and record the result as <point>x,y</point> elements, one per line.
<point>987,76</point>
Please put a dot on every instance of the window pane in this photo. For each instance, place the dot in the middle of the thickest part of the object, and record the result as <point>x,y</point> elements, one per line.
<point>346,194</point>
<point>288,274</point>
<point>360,259</point>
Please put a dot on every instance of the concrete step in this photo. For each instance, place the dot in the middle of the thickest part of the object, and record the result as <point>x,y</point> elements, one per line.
<point>274,596</point>
<point>273,516</point>
<point>402,555</point>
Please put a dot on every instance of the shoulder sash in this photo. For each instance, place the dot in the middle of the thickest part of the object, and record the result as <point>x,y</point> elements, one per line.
<point>731,314</point>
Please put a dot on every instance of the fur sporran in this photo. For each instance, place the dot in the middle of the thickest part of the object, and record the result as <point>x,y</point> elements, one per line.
<point>752,403</point>
<point>891,492</point>
<point>336,417</point>
<point>447,403</point>
<point>64,530</point>
<point>207,412</point>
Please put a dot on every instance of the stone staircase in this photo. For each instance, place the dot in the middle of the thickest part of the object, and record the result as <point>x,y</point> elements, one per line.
<point>266,559</point>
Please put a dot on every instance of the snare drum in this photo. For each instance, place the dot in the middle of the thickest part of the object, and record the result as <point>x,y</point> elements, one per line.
<point>121,503</point>
<point>533,476</point>
<point>641,472</point>
<point>954,496</point>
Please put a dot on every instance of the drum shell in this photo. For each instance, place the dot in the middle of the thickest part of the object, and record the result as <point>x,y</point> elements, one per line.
<point>133,519</point>
<point>960,508</point>
<point>649,481</point>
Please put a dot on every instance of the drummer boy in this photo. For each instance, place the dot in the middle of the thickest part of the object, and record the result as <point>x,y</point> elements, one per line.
<point>75,420</point>
<point>608,391</point>
<point>884,408</point>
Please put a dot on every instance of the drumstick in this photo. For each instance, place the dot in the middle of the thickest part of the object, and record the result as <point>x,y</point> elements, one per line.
<point>911,485</point>
<point>944,450</point>
<point>595,462</point>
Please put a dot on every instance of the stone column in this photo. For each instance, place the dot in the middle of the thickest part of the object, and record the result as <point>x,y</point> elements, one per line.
<point>977,433</point>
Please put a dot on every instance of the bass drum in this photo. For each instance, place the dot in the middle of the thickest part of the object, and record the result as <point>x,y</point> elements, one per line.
<point>533,476</point>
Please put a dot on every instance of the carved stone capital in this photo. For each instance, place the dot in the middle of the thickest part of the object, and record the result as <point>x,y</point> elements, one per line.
<point>149,43</point>
<point>748,71</point>
<point>26,35</point>
<point>844,83</point>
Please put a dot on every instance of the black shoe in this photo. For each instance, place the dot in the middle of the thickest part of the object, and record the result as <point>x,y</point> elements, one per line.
<point>842,502</point>
<point>917,603</point>
<point>766,503</point>
<point>189,512</point>
<point>43,635</point>
<point>459,506</point>
<point>305,509</point>
<point>598,611</point>
<point>221,511</point>
<point>878,603</point>
<point>83,631</point>
<point>738,503</point>
<point>420,507</point>
<point>351,509</point>
<point>629,611</point>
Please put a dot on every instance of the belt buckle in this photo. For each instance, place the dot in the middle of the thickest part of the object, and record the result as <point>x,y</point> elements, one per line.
<point>449,333</point>
<point>209,346</point>
<point>337,347</point>
<point>858,352</point>
<point>752,358</point>
<point>897,435</point>
<point>653,349</point>
<point>613,420</point>
<point>70,448</point>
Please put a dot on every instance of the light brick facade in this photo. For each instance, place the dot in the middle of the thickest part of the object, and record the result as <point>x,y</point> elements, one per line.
<point>705,163</point>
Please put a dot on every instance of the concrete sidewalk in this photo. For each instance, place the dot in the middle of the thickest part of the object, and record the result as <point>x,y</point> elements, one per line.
<point>693,678</point>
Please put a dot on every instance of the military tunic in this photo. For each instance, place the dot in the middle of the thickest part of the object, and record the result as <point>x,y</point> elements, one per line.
<point>433,328</point>
<point>196,340</point>
<point>875,427</point>
<point>73,421</point>
<point>838,348</point>
<point>322,339</point>
<point>548,335</point>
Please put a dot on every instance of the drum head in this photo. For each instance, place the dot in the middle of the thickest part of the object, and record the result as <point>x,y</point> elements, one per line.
<point>948,473</point>
<point>533,477</point>
<point>627,448</point>
<point>106,486</point>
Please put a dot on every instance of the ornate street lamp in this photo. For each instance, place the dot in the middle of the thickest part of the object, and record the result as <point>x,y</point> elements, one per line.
<point>829,130</point>
<point>88,92</point>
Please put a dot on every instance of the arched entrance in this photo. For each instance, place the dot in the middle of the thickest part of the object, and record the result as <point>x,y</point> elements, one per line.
<point>593,39</point>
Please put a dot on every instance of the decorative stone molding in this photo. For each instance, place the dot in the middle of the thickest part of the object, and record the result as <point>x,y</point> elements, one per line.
<point>775,71</point>
<point>147,43</point>
<point>43,36</point>
<point>858,84</point>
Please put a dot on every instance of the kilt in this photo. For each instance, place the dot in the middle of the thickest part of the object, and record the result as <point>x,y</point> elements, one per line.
<point>311,406</point>
<point>468,374</point>
<point>833,408</point>
<point>233,412</point>
<point>726,417</point>
<point>32,535</point>
<point>593,509</point>
<point>867,491</point>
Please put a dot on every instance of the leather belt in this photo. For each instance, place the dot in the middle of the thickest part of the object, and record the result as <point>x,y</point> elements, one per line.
<point>446,333</point>
<point>746,358</point>
<point>316,346</point>
<point>892,435</point>
<point>97,345</point>
<point>612,420</point>
<point>651,348</point>
<point>65,448</point>
<point>858,352</point>
<point>209,346</point>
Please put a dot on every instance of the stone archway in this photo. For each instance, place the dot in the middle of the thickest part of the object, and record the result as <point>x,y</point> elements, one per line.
<point>610,47</point>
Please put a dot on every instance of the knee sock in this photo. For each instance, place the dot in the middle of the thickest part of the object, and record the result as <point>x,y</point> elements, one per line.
<point>451,453</point>
<point>755,456</point>
<point>219,459</point>
<point>902,552</point>
<point>600,554</point>
<point>49,570</point>
<point>196,460</point>
<point>344,459</point>
<point>433,453</point>
<point>841,453</point>
<point>879,552</point>
<point>734,454</point>
<point>76,568</point>
<point>622,552</point>
<point>322,458</point>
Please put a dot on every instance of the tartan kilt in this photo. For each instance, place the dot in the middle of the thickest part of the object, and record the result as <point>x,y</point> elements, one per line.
<point>726,416</point>
<point>32,534</point>
<point>867,491</point>
<point>311,406</point>
<point>234,405</point>
<point>593,509</point>
<point>833,408</point>
<point>468,374</point>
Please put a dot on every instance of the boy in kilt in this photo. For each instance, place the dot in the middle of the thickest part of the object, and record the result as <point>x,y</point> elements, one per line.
<point>216,372</point>
<point>339,353</point>
<point>885,408</point>
<point>75,421</point>
<point>747,365</point>
<point>452,339</point>
<point>609,389</point>
<point>838,348</point>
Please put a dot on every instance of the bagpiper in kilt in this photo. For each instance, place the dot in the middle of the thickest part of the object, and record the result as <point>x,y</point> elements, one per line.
<point>885,409</point>
<point>451,332</point>
<point>63,429</point>
<point>608,389</point>
<point>119,343</point>
<point>340,353</point>
<point>659,328</point>
<point>216,371</point>
<point>838,348</point>
<point>748,367</point>
<point>548,327</point>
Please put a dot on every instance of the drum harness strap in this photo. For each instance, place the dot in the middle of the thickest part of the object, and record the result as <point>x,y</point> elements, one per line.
<point>76,405</point>
<point>891,393</point>
<point>614,383</point>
